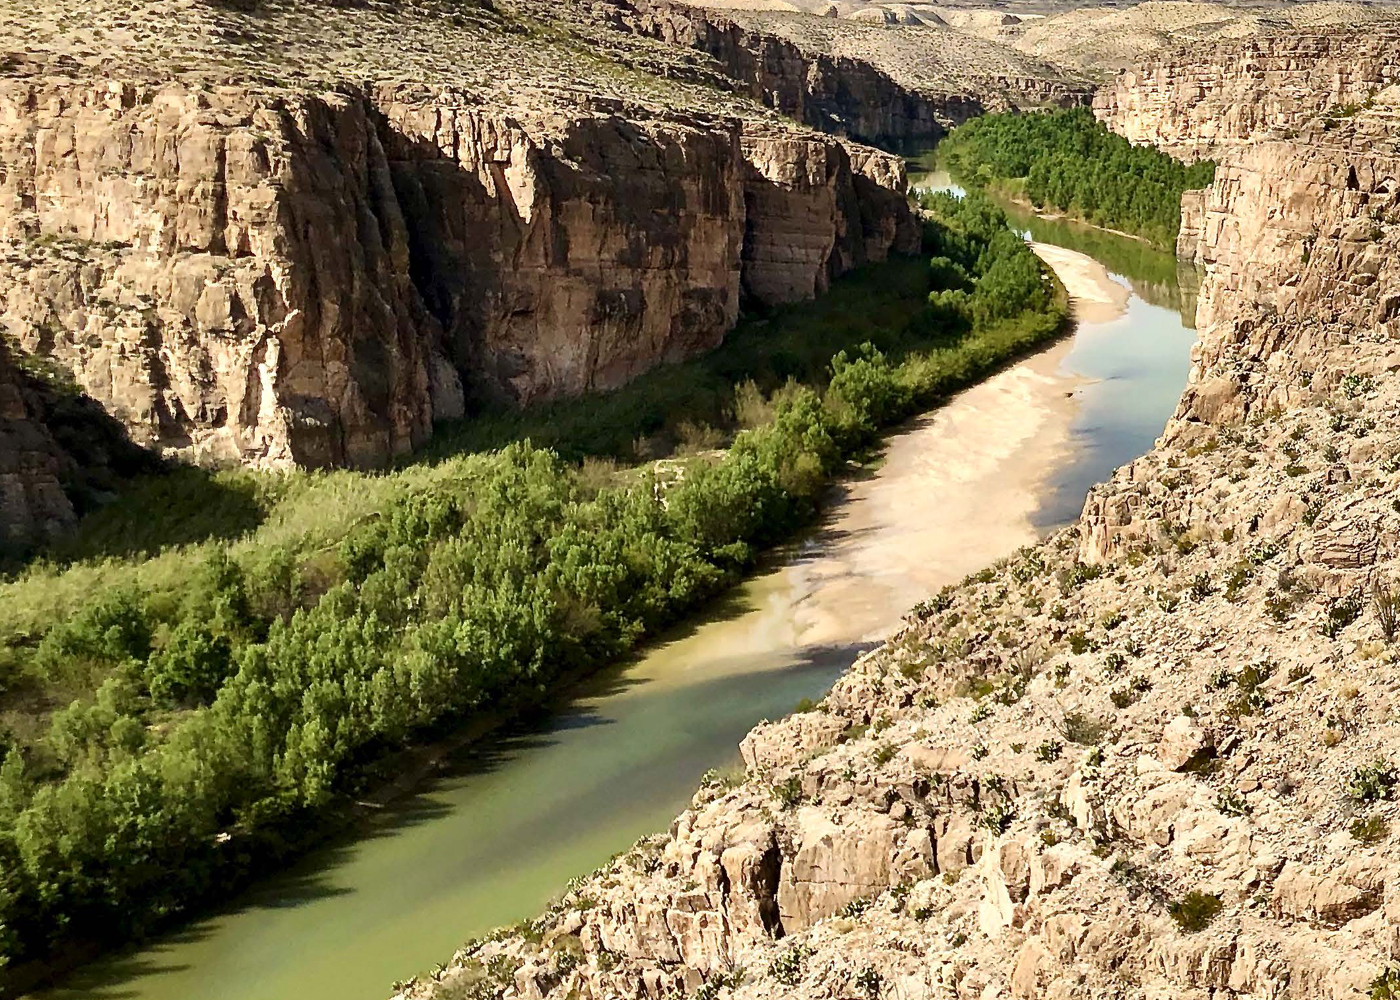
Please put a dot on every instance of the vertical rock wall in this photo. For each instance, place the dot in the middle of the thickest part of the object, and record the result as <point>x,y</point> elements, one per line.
<point>228,276</point>
<point>307,280</point>
<point>33,506</point>
<point>1197,101</point>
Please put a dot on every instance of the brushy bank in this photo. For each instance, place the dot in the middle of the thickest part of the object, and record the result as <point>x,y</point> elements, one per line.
<point>1067,160</point>
<point>173,720</point>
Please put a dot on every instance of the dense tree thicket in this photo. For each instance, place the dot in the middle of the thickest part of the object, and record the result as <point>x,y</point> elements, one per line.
<point>211,725</point>
<point>1068,161</point>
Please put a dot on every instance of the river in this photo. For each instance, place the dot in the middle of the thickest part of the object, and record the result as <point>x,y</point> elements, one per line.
<point>500,829</point>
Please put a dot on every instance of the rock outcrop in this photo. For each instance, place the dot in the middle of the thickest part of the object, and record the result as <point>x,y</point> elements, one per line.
<point>278,274</point>
<point>1196,100</point>
<point>1155,756</point>
<point>888,86</point>
<point>33,505</point>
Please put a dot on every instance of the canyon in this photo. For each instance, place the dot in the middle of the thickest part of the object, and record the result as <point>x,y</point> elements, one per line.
<point>307,255</point>
<point>1200,101</point>
<point>289,282</point>
<point>1149,757</point>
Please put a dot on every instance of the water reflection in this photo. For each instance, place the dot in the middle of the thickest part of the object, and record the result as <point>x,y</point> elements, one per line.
<point>1134,366</point>
<point>504,824</point>
<point>1155,276</point>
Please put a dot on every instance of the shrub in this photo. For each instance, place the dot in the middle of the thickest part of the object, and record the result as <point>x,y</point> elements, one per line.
<point>997,817</point>
<point>1195,911</point>
<point>787,967</point>
<point>1373,782</point>
<point>1386,985</point>
<point>1231,803</point>
<point>1049,751</point>
<point>1371,830</point>
<point>1385,599</point>
<point>855,908</point>
<point>1081,729</point>
<point>1278,606</point>
<point>865,390</point>
<point>1341,612</point>
<point>191,666</point>
<point>789,793</point>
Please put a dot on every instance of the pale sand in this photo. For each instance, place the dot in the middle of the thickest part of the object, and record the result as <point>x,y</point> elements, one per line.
<point>957,491</point>
<point>1094,296</point>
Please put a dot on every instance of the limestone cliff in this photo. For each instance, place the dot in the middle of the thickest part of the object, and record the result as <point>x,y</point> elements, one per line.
<point>888,86</point>
<point>1294,236</point>
<point>1153,757</point>
<point>1198,99</point>
<point>33,506</point>
<point>251,269</point>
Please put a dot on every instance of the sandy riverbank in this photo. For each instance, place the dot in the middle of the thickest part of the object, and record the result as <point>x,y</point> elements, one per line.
<point>1094,296</point>
<point>957,491</point>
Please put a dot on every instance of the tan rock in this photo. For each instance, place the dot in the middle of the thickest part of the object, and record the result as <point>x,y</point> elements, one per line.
<point>1185,744</point>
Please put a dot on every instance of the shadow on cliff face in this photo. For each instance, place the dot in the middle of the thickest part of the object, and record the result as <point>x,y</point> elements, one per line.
<point>186,506</point>
<point>94,458</point>
<point>105,476</point>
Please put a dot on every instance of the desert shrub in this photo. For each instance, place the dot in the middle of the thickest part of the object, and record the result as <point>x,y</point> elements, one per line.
<point>1385,599</point>
<point>789,793</point>
<point>787,967</point>
<point>1386,985</point>
<point>1373,782</point>
<point>1341,612</point>
<point>1049,751</point>
<point>1369,830</point>
<point>1195,911</point>
<point>1081,729</point>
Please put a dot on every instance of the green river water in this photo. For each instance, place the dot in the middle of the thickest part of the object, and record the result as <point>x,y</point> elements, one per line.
<point>500,829</point>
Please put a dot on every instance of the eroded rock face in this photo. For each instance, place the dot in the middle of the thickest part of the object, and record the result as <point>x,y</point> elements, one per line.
<point>1206,97</point>
<point>842,95</point>
<point>1050,780</point>
<point>310,280</point>
<point>228,276</point>
<point>33,506</point>
<point>1294,239</point>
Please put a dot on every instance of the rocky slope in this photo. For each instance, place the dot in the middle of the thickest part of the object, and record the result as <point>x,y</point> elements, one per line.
<point>908,81</point>
<point>287,236</point>
<point>1155,756</point>
<point>1083,40</point>
<point>1200,99</point>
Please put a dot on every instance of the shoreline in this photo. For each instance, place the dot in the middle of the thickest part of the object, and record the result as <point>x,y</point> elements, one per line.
<point>1094,296</point>
<point>809,614</point>
<point>977,469</point>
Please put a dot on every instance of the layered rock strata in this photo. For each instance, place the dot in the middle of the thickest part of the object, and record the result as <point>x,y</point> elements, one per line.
<point>1153,757</point>
<point>1199,99</point>
<point>274,277</point>
<point>879,85</point>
